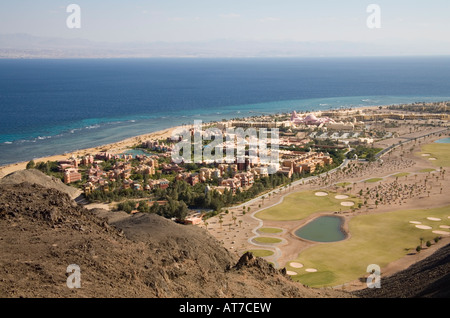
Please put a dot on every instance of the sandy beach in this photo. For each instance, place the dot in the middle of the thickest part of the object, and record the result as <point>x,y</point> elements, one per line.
<point>113,148</point>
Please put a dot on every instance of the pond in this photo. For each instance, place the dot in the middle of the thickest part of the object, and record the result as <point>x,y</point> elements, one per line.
<point>323,229</point>
<point>443,141</point>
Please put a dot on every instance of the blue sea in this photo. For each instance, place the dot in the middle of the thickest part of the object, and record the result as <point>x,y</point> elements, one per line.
<point>49,107</point>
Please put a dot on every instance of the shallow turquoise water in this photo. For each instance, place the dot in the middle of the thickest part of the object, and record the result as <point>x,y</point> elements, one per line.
<point>322,229</point>
<point>443,141</point>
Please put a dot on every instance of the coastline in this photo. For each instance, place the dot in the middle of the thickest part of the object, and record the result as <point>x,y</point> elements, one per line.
<point>114,148</point>
<point>119,146</point>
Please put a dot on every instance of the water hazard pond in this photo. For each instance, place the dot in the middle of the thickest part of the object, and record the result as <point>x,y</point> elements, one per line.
<point>323,229</point>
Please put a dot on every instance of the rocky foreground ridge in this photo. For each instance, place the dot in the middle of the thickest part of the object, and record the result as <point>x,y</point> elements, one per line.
<point>42,231</point>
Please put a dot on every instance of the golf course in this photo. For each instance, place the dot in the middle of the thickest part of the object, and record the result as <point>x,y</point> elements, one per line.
<point>297,206</point>
<point>375,239</point>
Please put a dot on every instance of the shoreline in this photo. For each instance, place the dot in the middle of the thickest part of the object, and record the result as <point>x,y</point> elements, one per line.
<point>162,133</point>
<point>120,145</point>
<point>115,147</point>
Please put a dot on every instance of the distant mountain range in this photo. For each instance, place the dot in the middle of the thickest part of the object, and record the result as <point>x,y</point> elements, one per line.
<point>30,46</point>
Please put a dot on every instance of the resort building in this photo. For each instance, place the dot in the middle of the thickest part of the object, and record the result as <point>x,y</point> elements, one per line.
<point>71,175</point>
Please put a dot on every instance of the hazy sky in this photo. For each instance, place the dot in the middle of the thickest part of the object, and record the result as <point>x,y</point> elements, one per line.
<point>419,21</point>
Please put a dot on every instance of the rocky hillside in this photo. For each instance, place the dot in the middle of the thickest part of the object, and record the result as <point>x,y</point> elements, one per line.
<point>42,231</point>
<point>38,177</point>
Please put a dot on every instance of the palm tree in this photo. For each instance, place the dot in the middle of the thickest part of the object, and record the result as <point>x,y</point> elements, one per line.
<point>234,220</point>
<point>240,223</point>
<point>421,241</point>
<point>220,222</point>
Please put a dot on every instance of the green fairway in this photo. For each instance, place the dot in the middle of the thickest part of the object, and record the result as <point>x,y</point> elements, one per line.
<point>270,230</point>
<point>375,239</point>
<point>439,151</point>
<point>265,240</point>
<point>401,174</point>
<point>427,170</point>
<point>260,253</point>
<point>297,206</point>
<point>373,180</point>
<point>343,184</point>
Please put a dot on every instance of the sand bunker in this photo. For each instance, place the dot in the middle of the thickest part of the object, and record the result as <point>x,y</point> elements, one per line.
<point>425,155</point>
<point>296,265</point>
<point>321,194</point>
<point>415,222</point>
<point>291,273</point>
<point>341,196</point>
<point>347,203</point>
<point>444,226</point>
<point>432,159</point>
<point>433,219</point>
<point>311,270</point>
<point>441,232</point>
<point>424,227</point>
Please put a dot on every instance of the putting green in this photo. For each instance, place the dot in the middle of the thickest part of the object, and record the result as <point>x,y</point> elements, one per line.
<point>260,253</point>
<point>270,230</point>
<point>439,151</point>
<point>266,240</point>
<point>297,206</point>
<point>375,239</point>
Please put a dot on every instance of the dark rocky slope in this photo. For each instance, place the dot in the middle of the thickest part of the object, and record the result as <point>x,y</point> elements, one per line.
<point>42,231</point>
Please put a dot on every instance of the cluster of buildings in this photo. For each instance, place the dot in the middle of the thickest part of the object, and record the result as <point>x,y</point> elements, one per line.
<point>298,162</point>
<point>156,145</point>
<point>329,123</point>
<point>230,176</point>
<point>99,179</point>
<point>310,119</point>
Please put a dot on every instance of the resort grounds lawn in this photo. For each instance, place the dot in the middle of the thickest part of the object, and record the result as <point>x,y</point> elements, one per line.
<point>260,253</point>
<point>299,205</point>
<point>375,239</point>
<point>439,151</point>
<point>266,240</point>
